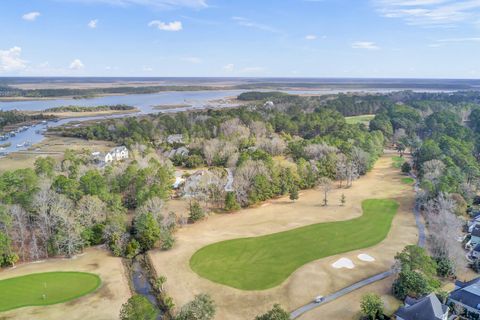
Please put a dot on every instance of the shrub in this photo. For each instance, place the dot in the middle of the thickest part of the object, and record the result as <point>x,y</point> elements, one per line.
<point>445,267</point>
<point>371,305</point>
<point>196,212</point>
<point>231,203</point>
<point>406,167</point>
<point>138,308</point>
<point>277,313</point>
<point>194,161</point>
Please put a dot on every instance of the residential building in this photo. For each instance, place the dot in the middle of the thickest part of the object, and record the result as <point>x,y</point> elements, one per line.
<point>426,308</point>
<point>474,238</point>
<point>466,296</point>
<point>116,154</point>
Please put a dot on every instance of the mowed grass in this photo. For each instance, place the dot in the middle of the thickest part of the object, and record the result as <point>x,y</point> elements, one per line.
<point>398,161</point>
<point>40,289</point>
<point>365,119</point>
<point>408,180</point>
<point>264,262</point>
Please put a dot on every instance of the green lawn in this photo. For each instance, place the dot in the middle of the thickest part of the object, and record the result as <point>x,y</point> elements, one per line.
<point>398,161</point>
<point>365,119</point>
<point>40,289</point>
<point>264,262</point>
<point>408,180</point>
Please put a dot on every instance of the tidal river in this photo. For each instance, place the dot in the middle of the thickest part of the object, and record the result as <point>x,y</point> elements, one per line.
<point>144,102</point>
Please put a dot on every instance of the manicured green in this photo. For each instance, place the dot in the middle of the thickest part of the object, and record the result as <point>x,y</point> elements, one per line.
<point>264,262</point>
<point>398,161</point>
<point>48,288</point>
<point>408,180</point>
<point>365,119</point>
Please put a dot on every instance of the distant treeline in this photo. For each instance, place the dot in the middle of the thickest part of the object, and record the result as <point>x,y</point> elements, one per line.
<point>118,107</point>
<point>63,92</point>
<point>257,95</point>
<point>14,117</point>
<point>360,103</point>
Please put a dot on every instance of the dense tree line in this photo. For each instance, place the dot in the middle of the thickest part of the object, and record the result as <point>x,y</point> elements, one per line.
<point>8,118</point>
<point>59,208</point>
<point>441,133</point>
<point>117,107</point>
<point>6,91</point>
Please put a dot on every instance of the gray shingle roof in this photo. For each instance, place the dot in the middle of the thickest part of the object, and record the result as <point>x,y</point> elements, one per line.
<point>476,231</point>
<point>426,308</point>
<point>468,293</point>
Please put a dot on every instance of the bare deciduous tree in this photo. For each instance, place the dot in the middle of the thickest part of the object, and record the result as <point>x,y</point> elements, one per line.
<point>90,210</point>
<point>244,177</point>
<point>19,229</point>
<point>234,129</point>
<point>216,148</point>
<point>445,228</point>
<point>154,206</point>
<point>258,129</point>
<point>326,186</point>
<point>319,151</point>
<point>274,145</point>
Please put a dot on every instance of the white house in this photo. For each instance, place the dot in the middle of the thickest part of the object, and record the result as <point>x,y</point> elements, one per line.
<point>116,154</point>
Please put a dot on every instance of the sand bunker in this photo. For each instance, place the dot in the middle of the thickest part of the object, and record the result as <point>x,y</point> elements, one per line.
<point>366,257</point>
<point>343,263</point>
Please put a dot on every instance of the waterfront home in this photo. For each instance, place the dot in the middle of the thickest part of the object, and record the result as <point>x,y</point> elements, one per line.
<point>116,154</point>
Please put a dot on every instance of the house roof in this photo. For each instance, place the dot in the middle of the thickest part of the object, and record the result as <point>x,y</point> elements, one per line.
<point>477,248</point>
<point>476,231</point>
<point>468,293</point>
<point>118,149</point>
<point>462,284</point>
<point>426,308</point>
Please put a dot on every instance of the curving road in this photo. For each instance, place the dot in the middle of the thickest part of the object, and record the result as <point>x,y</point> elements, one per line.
<point>380,276</point>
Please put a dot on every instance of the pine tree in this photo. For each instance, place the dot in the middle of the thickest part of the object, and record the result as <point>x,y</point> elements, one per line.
<point>294,193</point>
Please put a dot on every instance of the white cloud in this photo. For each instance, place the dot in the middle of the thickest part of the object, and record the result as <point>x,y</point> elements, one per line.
<point>162,4</point>
<point>93,24</point>
<point>147,69</point>
<point>166,26</point>
<point>229,67</point>
<point>76,65</point>
<point>430,12</point>
<point>244,22</point>
<point>367,45</point>
<point>252,70</point>
<point>10,60</point>
<point>31,16</point>
<point>194,60</point>
<point>310,37</point>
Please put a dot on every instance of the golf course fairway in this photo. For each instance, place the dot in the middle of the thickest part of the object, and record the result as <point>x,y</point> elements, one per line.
<point>45,288</point>
<point>264,262</point>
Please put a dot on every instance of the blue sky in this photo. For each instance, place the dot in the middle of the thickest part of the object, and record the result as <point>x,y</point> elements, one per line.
<point>254,38</point>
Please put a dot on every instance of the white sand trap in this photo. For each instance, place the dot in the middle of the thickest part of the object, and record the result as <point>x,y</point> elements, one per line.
<point>366,257</point>
<point>343,263</point>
